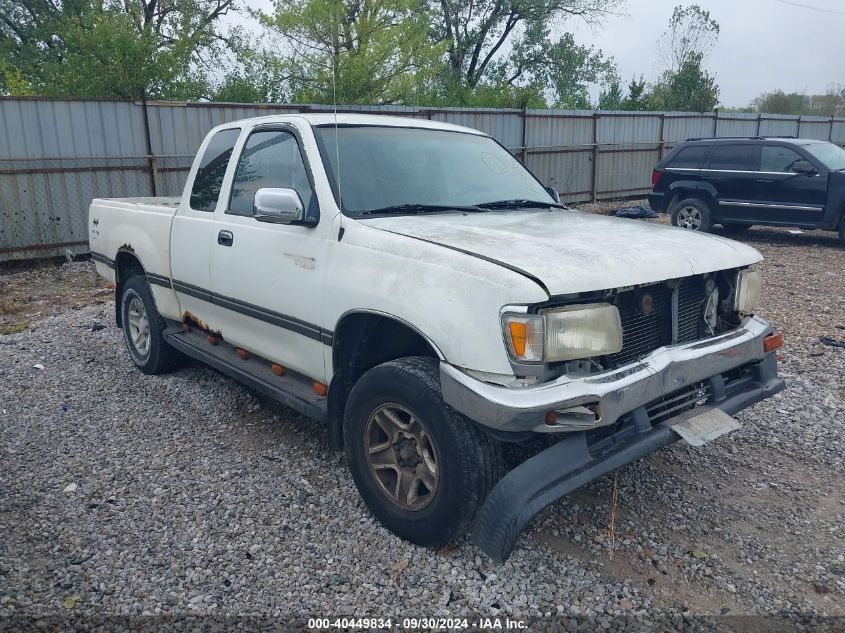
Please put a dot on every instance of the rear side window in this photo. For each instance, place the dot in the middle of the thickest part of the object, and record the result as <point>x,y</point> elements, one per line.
<point>732,157</point>
<point>209,178</point>
<point>778,158</point>
<point>689,157</point>
<point>271,158</point>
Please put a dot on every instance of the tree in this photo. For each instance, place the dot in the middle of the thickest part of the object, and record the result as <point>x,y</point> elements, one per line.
<point>685,84</point>
<point>690,89</point>
<point>692,33</point>
<point>362,51</point>
<point>110,47</point>
<point>509,44</point>
<point>831,103</point>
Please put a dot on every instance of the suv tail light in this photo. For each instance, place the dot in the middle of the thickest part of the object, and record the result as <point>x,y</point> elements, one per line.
<point>655,178</point>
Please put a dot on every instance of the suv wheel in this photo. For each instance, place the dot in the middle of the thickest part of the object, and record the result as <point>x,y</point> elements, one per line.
<point>422,469</point>
<point>143,329</point>
<point>693,214</point>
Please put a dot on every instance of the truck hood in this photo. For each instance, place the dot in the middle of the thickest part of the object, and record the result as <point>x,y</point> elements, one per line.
<point>568,251</point>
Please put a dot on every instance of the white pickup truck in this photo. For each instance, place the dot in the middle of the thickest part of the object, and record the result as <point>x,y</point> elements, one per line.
<point>411,285</point>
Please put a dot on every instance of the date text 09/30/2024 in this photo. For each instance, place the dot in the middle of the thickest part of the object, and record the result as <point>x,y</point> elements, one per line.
<point>429,624</point>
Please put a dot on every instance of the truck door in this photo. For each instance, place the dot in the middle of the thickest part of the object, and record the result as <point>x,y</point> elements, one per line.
<point>193,231</point>
<point>266,277</point>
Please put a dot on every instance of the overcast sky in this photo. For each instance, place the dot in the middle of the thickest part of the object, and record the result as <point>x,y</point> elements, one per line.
<point>764,44</point>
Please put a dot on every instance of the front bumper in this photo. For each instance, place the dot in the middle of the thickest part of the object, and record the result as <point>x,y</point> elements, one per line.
<point>583,456</point>
<point>617,392</point>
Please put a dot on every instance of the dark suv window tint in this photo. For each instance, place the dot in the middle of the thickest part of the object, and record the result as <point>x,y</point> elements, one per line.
<point>778,158</point>
<point>271,158</point>
<point>209,178</point>
<point>733,157</point>
<point>689,157</point>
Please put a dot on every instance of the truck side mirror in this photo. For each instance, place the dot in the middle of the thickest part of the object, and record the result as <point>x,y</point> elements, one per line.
<point>278,206</point>
<point>553,193</point>
<point>803,167</point>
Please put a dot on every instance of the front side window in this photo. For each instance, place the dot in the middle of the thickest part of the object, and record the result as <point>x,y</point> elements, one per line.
<point>828,154</point>
<point>778,158</point>
<point>209,178</point>
<point>383,167</point>
<point>732,157</point>
<point>271,159</point>
<point>689,157</point>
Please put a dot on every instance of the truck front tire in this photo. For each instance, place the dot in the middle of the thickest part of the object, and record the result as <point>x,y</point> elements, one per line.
<point>143,329</point>
<point>422,469</point>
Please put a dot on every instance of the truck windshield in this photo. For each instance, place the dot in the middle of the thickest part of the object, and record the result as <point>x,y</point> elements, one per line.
<point>412,170</point>
<point>828,154</point>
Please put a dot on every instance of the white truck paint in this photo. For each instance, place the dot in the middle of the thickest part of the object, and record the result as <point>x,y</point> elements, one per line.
<point>447,277</point>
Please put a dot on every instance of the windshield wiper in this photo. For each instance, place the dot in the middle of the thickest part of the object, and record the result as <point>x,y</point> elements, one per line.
<point>520,204</point>
<point>399,209</point>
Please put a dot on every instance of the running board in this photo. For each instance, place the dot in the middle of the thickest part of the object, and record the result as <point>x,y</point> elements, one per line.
<point>291,389</point>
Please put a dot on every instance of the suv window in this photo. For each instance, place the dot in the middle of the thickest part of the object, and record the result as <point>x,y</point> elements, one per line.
<point>209,178</point>
<point>732,157</point>
<point>270,158</point>
<point>778,158</point>
<point>689,157</point>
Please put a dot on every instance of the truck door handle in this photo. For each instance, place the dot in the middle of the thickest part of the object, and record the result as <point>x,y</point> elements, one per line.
<point>225,238</point>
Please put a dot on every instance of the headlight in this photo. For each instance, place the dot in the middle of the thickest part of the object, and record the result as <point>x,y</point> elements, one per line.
<point>747,295</point>
<point>570,333</point>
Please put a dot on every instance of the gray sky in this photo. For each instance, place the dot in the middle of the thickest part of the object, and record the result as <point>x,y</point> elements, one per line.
<point>764,44</point>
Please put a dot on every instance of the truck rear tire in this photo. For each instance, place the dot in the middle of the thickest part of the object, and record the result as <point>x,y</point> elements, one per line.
<point>693,214</point>
<point>422,468</point>
<point>143,329</point>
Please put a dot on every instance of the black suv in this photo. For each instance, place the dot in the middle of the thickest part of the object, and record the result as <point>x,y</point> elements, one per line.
<point>740,182</point>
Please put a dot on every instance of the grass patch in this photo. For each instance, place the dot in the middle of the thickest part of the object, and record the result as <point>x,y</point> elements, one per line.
<point>13,328</point>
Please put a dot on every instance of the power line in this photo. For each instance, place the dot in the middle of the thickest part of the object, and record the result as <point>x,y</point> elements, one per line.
<point>807,6</point>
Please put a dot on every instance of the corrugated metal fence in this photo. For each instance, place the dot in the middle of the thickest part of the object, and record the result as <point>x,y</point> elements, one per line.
<point>57,154</point>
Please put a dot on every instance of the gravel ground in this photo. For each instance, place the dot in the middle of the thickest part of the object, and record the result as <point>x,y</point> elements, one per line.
<point>130,495</point>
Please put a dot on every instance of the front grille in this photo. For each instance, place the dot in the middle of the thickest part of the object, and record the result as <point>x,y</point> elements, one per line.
<point>691,299</point>
<point>678,402</point>
<point>645,330</point>
<point>643,333</point>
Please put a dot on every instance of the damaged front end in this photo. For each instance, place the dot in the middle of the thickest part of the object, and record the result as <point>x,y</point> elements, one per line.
<point>607,419</point>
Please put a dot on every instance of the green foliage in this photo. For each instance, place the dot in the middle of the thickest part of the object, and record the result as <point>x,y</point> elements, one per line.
<point>689,89</point>
<point>378,49</point>
<point>109,47</point>
<point>831,103</point>
<point>539,66</point>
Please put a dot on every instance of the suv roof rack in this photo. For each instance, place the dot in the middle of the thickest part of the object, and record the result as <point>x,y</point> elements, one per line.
<point>745,138</point>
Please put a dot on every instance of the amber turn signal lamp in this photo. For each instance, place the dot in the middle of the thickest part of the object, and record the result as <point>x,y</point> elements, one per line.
<point>243,353</point>
<point>772,342</point>
<point>519,334</point>
<point>212,339</point>
<point>320,389</point>
<point>277,369</point>
<point>551,418</point>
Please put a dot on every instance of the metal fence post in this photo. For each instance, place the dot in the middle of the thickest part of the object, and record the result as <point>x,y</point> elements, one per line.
<point>594,187</point>
<point>150,156</point>
<point>660,139</point>
<point>830,133</point>
<point>715,122</point>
